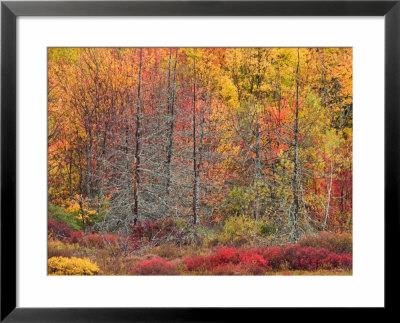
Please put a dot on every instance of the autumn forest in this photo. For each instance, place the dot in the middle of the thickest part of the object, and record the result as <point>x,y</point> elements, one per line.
<point>200,161</point>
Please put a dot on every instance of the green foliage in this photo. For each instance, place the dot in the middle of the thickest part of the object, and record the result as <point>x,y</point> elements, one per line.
<point>57,213</point>
<point>267,229</point>
<point>209,237</point>
<point>238,201</point>
<point>180,223</point>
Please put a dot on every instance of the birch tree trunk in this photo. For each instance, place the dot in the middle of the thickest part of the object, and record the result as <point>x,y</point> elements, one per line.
<point>328,199</point>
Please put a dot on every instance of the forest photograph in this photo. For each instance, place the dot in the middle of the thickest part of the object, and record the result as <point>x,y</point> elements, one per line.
<point>199,161</point>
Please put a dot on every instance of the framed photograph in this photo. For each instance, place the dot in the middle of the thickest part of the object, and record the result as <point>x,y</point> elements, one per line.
<point>197,160</point>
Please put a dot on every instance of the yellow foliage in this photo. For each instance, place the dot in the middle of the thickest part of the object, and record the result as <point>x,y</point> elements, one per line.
<point>238,230</point>
<point>62,266</point>
<point>73,207</point>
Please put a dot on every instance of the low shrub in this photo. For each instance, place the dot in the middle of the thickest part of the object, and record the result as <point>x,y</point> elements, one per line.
<point>275,256</point>
<point>228,261</point>
<point>71,266</point>
<point>157,232</point>
<point>251,257</point>
<point>333,260</point>
<point>59,230</point>
<point>92,240</point>
<point>237,269</point>
<point>155,266</point>
<point>58,249</point>
<point>258,261</point>
<point>338,243</point>
<point>304,258</point>
<point>167,251</point>
<point>76,236</point>
<point>223,256</point>
<point>194,263</point>
<point>297,257</point>
<point>227,270</point>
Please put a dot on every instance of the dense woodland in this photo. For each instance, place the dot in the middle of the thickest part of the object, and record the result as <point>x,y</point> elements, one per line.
<point>198,149</point>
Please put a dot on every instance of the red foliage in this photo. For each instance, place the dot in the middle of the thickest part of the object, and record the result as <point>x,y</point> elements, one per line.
<point>223,256</point>
<point>334,242</point>
<point>339,261</point>
<point>95,240</point>
<point>92,240</point>
<point>305,258</point>
<point>194,262</point>
<point>155,266</point>
<point>275,256</point>
<point>76,236</point>
<point>60,230</point>
<point>253,258</point>
<point>156,232</point>
<point>110,239</point>
<point>309,258</point>
<point>257,261</point>
<point>229,261</point>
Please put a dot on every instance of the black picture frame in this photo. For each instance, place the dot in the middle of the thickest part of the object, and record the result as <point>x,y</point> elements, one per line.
<point>10,10</point>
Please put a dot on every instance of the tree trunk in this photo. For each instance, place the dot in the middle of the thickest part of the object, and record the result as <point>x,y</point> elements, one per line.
<point>328,199</point>
<point>71,192</point>
<point>258,171</point>
<point>88,177</point>
<point>295,181</point>
<point>136,182</point>
<point>100,170</point>
<point>170,118</point>
<point>195,165</point>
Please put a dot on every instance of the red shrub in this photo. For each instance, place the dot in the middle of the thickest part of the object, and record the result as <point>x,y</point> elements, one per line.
<point>76,236</point>
<point>155,266</point>
<point>253,262</point>
<point>337,243</point>
<point>338,261</point>
<point>194,262</point>
<point>60,230</point>
<point>95,240</point>
<point>275,257</point>
<point>110,239</point>
<point>137,231</point>
<point>308,258</point>
<point>156,232</point>
<point>346,261</point>
<point>92,240</point>
<point>252,258</point>
<point>229,261</point>
<point>223,256</point>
